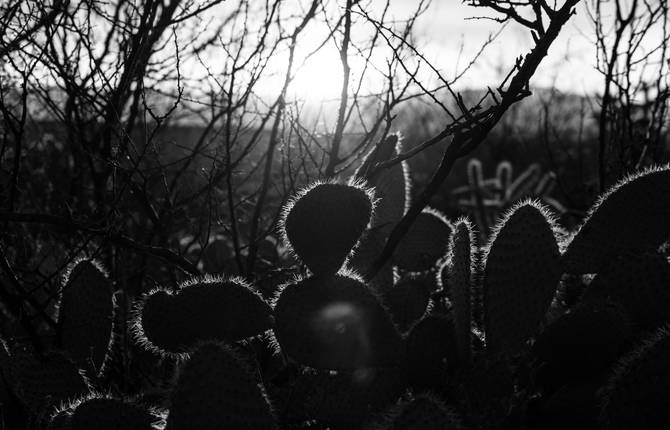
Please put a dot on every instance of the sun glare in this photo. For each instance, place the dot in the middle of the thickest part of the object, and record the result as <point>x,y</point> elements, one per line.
<point>319,79</point>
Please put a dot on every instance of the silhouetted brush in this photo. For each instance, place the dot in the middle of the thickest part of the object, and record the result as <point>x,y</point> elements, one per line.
<point>85,314</point>
<point>521,273</point>
<point>335,322</point>
<point>324,222</point>
<point>217,255</point>
<point>217,390</point>
<point>631,217</point>
<point>225,309</point>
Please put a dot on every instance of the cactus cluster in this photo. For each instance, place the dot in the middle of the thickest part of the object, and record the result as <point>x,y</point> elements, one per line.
<point>486,198</point>
<point>449,334</point>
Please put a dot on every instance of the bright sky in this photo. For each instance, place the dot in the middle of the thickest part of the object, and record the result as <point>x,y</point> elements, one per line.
<point>445,36</point>
<point>570,64</point>
<point>445,30</point>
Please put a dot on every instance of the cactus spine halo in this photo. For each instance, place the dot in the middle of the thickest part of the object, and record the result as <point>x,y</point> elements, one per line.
<point>104,412</point>
<point>85,313</point>
<point>324,221</point>
<point>522,270</point>
<point>462,269</point>
<point>632,216</point>
<point>335,323</point>
<point>217,389</point>
<point>218,308</point>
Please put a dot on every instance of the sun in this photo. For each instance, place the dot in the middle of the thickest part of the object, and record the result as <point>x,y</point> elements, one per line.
<point>319,79</point>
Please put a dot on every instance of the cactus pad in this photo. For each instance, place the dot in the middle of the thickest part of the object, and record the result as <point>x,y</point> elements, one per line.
<point>583,342</point>
<point>216,390</point>
<point>461,272</point>
<point>425,243</point>
<point>407,301</point>
<point>637,394</point>
<point>110,414</point>
<point>224,309</point>
<point>632,217</point>
<point>431,351</point>
<point>365,254</point>
<point>324,222</point>
<point>85,315</point>
<point>641,284</point>
<point>521,274</point>
<point>391,185</point>
<point>48,381</point>
<point>335,322</point>
<point>424,412</point>
<point>346,399</point>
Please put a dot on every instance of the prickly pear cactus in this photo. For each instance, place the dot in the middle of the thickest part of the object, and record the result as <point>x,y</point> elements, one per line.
<point>225,309</point>
<point>582,343</point>
<point>423,412</point>
<point>636,395</point>
<point>365,254</point>
<point>461,273</point>
<point>346,400</point>
<point>324,222</point>
<point>425,243</point>
<point>47,381</point>
<point>407,301</point>
<point>392,185</point>
<point>641,284</point>
<point>335,322</point>
<point>431,352</point>
<point>520,277</point>
<point>85,314</point>
<point>61,420</point>
<point>217,390</point>
<point>104,413</point>
<point>632,217</point>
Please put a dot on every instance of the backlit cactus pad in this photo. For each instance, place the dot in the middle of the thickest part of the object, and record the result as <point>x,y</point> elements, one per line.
<point>225,309</point>
<point>324,222</point>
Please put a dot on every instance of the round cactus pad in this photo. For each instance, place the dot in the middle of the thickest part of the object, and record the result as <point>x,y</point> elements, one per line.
<point>633,216</point>
<point>210,308</point>
<point>325,222</point>
<point>217,390</point>
<point>335,322</point>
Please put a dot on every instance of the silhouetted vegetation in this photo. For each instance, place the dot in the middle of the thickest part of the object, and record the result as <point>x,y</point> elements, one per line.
<point>185,243</point>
